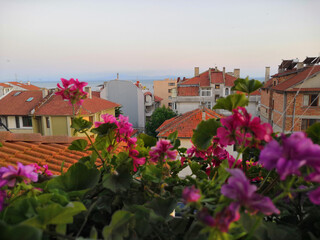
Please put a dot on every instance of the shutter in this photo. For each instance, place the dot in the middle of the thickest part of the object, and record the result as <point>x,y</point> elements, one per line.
<point>305,100</point>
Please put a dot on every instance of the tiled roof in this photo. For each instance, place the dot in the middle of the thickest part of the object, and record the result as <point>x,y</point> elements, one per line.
<point>188,91</point>
<point>18,105</point>
<point>96,93</point>
<point>34,148</point>
<point>157,99</point>
<point>186,123</point>
<point>25,86</point>
<point>55,106</point>
<point>304,89</point>
<point>147,93</point>
<point>298,78</point>
<point>4,85</point>
<point>201,80</point>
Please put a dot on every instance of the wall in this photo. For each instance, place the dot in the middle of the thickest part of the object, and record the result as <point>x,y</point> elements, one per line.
<point>59,126</point>
<point>183,107</point>
<point>161,88</point>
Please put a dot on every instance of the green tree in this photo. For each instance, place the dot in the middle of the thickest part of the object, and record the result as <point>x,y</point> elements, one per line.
<point>157,118</point>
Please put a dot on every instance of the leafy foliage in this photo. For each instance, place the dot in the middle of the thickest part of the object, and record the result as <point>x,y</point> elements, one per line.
<point>157,118</point>
<point>204,133</point>
<point>313,132</point>
<point>231,102</point>
<point>245,85</point>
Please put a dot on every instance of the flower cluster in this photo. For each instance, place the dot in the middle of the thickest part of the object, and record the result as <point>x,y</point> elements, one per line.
<point>45,171</point>
<point>240,128</point>
<point>72,90</point>
<point>239,189</point>
<point>191,194</point>
<point>123,134</point>
<point>162,151</point>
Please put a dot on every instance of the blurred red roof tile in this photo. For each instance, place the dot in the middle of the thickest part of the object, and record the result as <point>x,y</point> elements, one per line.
<point>157,99</point>
<point>25,86</point>
<point>4,85</point>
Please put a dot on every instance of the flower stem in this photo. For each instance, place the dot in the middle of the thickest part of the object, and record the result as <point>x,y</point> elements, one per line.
<point>96,150</point>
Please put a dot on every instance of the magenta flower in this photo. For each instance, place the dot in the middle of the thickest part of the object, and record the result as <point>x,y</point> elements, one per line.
<point>107,118</point>
<point>72,90</point>
<point>125,127</point>
<point>205,217</point>
<point>45,171</point>
<point>161,151</point>
<point>10,174</point>
<point>3,196</point>
<point>190,194</point>
<point>136,160</point>
<point>295,152</point>
<point>239,189</point>
<point>314,196</point>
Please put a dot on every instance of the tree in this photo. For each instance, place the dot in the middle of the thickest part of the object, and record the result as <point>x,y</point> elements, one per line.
<point>157,118</point>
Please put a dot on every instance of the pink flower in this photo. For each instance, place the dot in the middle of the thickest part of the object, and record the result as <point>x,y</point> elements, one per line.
<point>227,216</point>
<point>125,128</point>
<point>45,171</point>
<point>191,194</point>
<point>3,196</point>
<point>107,118</point>
<point>239,189</point>
<point>314,196</point>
<point>161,151</point>
<point>10,174</point>
<point>72,90</point>
<point>136,160</point>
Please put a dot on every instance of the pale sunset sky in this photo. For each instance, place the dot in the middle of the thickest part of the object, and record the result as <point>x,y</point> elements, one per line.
<point>94,40</point>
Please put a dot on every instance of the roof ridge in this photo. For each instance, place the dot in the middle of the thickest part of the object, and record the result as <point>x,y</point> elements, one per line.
<point>41,103</point>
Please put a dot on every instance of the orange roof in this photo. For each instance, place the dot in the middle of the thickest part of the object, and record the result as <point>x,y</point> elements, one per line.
<point>186,123</point>
<point>95,93</point>
<point>56,106</point>
<point>298,78</point>
<point>157,99</point>
<point>28,148</point>
<point>25,86</point>
<point>188,91</point>
<point>15,103</point>
<point>4,85</point>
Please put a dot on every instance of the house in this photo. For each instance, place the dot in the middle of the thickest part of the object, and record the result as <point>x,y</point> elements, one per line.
<point>44,112</point>
<point>131,98</point>
<point>52,116</point>
<point>15,108</point>
<point>204,88</point>
<point>30,148</point>
<point>290,99</point>
<point>4,89</point>
<point>22,86</point>
<point>163,89</point>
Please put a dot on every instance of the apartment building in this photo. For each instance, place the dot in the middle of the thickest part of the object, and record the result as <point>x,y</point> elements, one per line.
<point>290,99</point>
<point>163,89</point>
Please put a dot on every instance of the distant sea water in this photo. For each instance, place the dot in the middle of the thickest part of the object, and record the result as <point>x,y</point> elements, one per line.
<point>93,84</point>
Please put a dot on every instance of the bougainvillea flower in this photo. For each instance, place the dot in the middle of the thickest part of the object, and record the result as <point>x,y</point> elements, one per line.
<point>191,194</point>
<point>296,151</point>
<point>72,90</point>
<point>107,118</point>
<point>314,196</point>
<point>45,171</point>
<point>124,126</point>
<point>136,160</point>
<point>161,151</point>
<point>239,189</point>
<point>10,174</point>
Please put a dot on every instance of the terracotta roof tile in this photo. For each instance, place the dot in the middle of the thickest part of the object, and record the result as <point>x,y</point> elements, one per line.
<point>96,94</point>
<point>18,105</point>
<point>4,85</point>
<point>56,106</point>
<point>157,99</point>
<point>25,86</point>
<point>186,123</point>
<point>188,91</point>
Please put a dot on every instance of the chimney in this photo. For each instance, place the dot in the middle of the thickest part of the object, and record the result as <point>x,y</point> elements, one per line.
<point>299,65</point>
<point>196,71</point>
<point>88,90</point>
<point>28,83</point>
<point>45,92</point>
<point>216,68</point>
<point>236,73</point>
<point>117,76</point>
<point>267,75</point>
<point>224,74</point>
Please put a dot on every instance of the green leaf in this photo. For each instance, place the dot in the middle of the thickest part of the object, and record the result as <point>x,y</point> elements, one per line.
<point>231,102</point>
<point>78,145</point>
<point>93,233</point>
<point>195,167</point>
<point>152,173</point>
<point>1,144</point>
<point>117,183</point>
<point>104,129</point>
<point>173,136</point>
<point>313,132</point>
<point>148,140</point>
<point>19,232</point>
<point>78,177</point>
<point>121,222</point>
<point>162,207</point>
<point>80,125</point>
<point>245,85</point>
<point>204,133</point>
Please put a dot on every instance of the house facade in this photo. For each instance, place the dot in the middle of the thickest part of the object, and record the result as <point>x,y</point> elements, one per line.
<point>290,99</point>
<point>203,89</point>
<point>163,89</point>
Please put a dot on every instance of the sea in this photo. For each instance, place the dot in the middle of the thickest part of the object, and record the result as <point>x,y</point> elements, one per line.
<point>95,85</point>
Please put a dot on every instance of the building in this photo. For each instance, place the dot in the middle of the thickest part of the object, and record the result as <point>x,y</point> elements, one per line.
<point>45,113</point>
<point>151,102</point>
<point>131,98</point>
<point>4,89</point>
<point>163,89</point>
<point>204,88</point>
<point>22,86</point>
<point>290,99</point>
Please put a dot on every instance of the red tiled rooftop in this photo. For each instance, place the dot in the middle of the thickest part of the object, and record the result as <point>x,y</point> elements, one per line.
<point>18,105</point>
<point>186,123</point>
<point>56,106</point>
<point>96,94</point>
<point>157,99</point>
<point>188,91</point>
<point>4,85</point>
<point>25,86</point>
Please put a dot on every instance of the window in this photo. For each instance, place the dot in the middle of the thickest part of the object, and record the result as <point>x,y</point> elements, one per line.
<point>26,121</point>
<point>171,84</point>
<point>16,94</point>
<point>208,104</point>
<point>169,90</point>
<point>174,106</point>
<point>216,97</point>
<point>91,119</point>
<point>170,105</point>
<point>17,122</point>
<point>47,122</point>
<point>217,86</point>
<point>311,100</point>
<point>307,123</point>
<point>227,91</point>
<point>29,99</point>
<point>205,92</point>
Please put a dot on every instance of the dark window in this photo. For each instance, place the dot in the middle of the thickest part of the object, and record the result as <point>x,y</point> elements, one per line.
<point>169,90</point>
<point>306,123</point>
<point>27,121</point>
<point>48,122</point>
<point>217,86</point>
<point>314,100</point>
<point>17,122</point>
<point>171,84</point>
<point>91,119</point>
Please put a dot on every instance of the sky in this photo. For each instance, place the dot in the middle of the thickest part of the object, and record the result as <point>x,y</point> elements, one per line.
<point>42,40</point>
